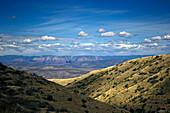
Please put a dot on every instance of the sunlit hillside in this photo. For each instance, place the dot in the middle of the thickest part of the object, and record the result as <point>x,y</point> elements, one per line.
<point>139,85</point>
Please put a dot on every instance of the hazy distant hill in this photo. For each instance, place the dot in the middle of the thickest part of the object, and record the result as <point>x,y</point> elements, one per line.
<point>21,92</point>
<point>48,59</point>
<point>62,66</point>
<point>139,85</point>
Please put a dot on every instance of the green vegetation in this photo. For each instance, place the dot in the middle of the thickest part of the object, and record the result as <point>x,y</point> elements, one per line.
<point>126,86</point>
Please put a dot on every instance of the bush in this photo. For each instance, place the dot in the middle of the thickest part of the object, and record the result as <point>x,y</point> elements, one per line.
<point>69,99</point>
<point>126,86</point>
<point>83,100</point>
<point>84,106</point>
<point>154,81</point>
<point>161,78</point>
<point>50,98</point>
<point>63,110</point>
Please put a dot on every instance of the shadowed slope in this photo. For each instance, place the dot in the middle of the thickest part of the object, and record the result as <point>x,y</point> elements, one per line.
<point>21,92</point>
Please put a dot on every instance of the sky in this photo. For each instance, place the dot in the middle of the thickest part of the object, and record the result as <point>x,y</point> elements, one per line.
<point>84,27</point>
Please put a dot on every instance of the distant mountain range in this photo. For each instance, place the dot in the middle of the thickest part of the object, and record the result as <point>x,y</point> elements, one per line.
<point>62,66</point>
<point>48,59</point>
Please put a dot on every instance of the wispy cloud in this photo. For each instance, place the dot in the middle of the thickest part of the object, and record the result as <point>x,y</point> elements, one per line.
<point>89,10</point>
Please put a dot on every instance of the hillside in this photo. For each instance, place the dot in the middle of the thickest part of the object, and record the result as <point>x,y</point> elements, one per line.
<point>139,85</point>
<point>21,92</point>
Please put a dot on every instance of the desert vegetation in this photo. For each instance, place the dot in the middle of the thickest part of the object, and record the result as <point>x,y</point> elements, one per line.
<point>139,85</point>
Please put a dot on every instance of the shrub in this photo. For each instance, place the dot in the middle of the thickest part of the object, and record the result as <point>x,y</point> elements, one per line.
<point>115,83</point>
<point>126,86</point>
<point>135,81</point>
<point>83,100</point>
<point>86,111</point>
<point>63,110</point>
<point>97,95</point>
<point>51,108</point>
<point>154,81</point>
<point>161,78</point>
<point>152,78</point>
<point>69,99</point>
<point>142,73</point>
<point>132,74</point>
<point>84,106</point>
<point>50,98</point>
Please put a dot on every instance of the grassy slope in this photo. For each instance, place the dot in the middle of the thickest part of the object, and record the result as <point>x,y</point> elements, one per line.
<point>139,85</point>
<point>21,92</point>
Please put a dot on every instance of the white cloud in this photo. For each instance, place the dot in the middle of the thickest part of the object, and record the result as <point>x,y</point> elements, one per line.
<point>126,34</point>
<point>108,34</point>
<point>27,40</point>
<point>40,46</point>
<point>1,48</point>
<point>9,45</point>
<point>147,40</point>
<point>80,38</point>
<point>156,38</point>
<point>154,44</point>
<point>127,46</point>
<point>87,48</point>
<point>105,45</point>
<point>74,43</point>
<point>56,44</point>
<point>101,30</point>
<point>46,45</point>
<point>87,44</point>
<point>166,37</point>
<point>82,33</point>
<point>97,42</point>
<point>151,45</point>
<point>48,38</point>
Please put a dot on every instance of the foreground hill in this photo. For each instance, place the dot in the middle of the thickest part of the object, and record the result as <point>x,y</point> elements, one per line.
<point>139,85</point>
<point>21,92</point>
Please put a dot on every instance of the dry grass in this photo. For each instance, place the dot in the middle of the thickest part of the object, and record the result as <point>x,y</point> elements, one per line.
<point>140,84</point>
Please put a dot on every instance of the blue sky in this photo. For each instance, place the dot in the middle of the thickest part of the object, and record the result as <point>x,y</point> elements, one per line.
<point>84,27</point>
